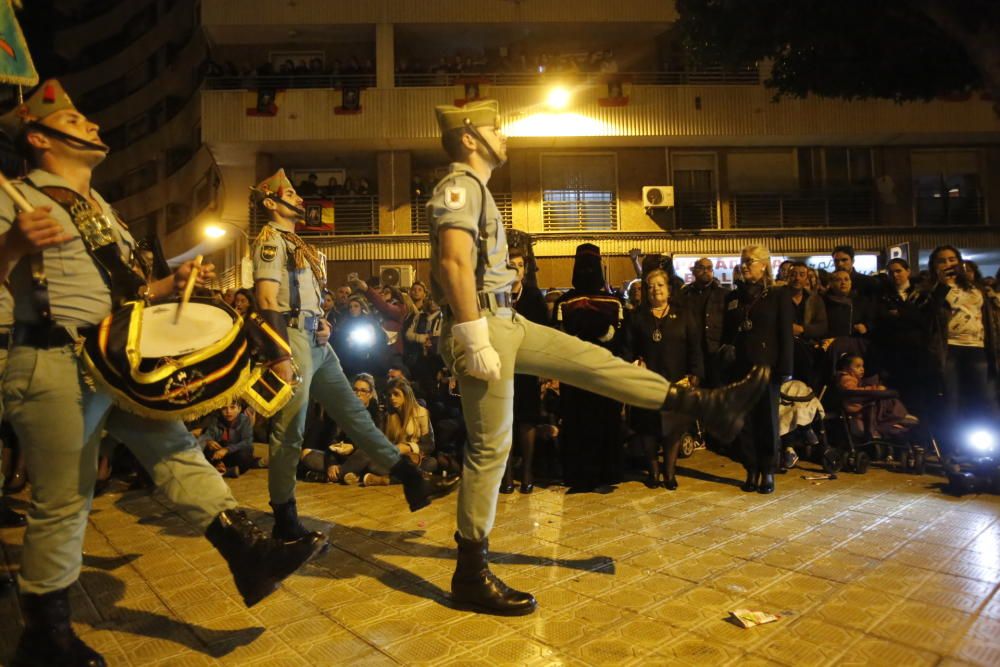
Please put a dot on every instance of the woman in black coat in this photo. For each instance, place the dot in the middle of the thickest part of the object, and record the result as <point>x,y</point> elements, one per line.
<point>758,324</point>
<point>666,339</point>
<point>529,304</point>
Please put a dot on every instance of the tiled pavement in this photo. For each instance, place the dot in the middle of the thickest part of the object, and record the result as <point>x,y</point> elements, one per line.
<point>874,569</point>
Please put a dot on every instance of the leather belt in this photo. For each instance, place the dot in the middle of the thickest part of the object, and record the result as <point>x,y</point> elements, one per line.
<point>493,300</point>
<point>303,322</point>
<point>47,336</point>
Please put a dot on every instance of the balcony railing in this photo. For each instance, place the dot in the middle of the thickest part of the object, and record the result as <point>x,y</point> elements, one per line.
<point>696,210</point>
<point>428,79</point>
<point>760,210</point>
<point>353,215</point>
<point>283,81</point>
<point>665,78</point>
<point>935,211</point>
<point>418,211</point>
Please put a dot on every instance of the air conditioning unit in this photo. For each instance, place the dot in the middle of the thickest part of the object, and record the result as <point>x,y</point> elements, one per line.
<point>658,196</point>
<point>396,275</point>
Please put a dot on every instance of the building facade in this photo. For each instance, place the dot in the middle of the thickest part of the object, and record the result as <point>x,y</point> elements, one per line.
<point>213,95</point>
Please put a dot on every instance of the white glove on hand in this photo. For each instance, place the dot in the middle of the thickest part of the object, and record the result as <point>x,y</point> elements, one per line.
<point>481,360</point>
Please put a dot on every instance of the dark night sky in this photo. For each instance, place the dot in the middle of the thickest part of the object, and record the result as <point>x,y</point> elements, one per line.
<point>36,21</point>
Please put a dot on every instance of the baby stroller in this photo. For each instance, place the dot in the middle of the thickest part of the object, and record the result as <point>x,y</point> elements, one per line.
<point>692,440</point>
<point>858,443</point>
<point>800,422</point>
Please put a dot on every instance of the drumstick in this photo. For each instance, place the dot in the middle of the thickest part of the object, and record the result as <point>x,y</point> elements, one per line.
<point>189,287</point>
<point>15,195</point>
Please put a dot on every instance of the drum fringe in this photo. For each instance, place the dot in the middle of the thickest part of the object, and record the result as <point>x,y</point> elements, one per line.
<point>124,402</point>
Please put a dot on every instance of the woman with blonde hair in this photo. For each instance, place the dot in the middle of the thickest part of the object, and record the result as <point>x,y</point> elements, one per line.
<point>758,327</point>
<point>407,425</point>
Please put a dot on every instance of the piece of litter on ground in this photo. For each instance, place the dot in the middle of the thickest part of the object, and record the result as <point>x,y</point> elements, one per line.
<point>421,524</point>
<point>812,478</point>
<point>747,618</point>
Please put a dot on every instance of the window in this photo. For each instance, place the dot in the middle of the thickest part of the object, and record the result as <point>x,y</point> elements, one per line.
<point>947,187</point>
<point>579,192</point>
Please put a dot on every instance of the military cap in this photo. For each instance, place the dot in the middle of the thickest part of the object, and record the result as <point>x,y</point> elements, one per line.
<point>44,101</point>
<point>275,184</point>
<point>479,112</point>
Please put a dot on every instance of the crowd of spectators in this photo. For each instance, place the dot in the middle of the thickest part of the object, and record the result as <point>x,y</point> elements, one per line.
<point>310,186</point>
<point>539,63</point>
<point>296,71</point>
<point>932,336</point>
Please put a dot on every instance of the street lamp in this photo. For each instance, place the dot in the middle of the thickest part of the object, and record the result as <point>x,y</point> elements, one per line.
<point>217,229</point>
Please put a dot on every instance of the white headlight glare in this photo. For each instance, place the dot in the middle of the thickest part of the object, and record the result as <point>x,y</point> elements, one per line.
<point>981,439</point>
<point>362,335</point>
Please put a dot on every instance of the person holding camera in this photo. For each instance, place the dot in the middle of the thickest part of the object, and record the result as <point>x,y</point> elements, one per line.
<point>289,281</point>
<point>758,326</point>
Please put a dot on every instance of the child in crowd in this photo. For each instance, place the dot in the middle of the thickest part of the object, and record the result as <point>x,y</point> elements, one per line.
<point>228,440</point>
<point>889,416</point>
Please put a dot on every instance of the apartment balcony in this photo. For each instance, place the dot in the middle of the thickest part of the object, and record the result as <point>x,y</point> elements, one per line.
<point>702,115</point>
<point>225,17</point>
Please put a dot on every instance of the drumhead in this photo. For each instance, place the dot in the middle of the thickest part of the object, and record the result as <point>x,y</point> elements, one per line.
<point>200,325</point>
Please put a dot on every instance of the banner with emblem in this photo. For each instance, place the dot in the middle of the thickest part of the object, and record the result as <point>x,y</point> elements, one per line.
<point>619,92</point>
<point>16,67</point>
<point>470,90</point>
<point>350,101</point>
<point>319,216</point>
<point>263,102</point>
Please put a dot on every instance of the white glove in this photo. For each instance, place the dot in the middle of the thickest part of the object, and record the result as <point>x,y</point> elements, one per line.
<point>481,360</point>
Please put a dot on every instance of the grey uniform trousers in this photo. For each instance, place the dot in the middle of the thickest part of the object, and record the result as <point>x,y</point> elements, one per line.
<point>323,377</point>
<point>488,407</point>
<point>57,418</point>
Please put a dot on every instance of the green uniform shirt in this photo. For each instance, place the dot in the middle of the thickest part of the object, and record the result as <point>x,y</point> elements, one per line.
<point>78,294</point>
<point>271,262</point>
<point>457,202</point>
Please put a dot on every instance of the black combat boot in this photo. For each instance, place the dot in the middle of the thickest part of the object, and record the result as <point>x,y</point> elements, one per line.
<point>474,587</point>
<point>720,411</point>
<point>286,522</point>
<point>420,487</point>
<point>766,484</point>
<point>258,563</point>
<point>751,483</point>
<point>48,637</point>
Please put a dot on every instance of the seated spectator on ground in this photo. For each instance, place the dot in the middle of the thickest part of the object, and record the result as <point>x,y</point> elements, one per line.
<point>887,415</point>
<point>407,423</point>
<point>323,465</point>
<point>228,441</point>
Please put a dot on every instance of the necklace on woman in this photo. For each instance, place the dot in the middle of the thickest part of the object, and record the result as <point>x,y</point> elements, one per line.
<point>658,332</point>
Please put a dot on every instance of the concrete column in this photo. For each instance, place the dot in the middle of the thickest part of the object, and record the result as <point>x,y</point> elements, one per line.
<point>385,55</point>
<point>394,168</point>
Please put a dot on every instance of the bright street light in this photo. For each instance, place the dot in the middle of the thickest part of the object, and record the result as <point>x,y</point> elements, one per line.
<point>558,98</point>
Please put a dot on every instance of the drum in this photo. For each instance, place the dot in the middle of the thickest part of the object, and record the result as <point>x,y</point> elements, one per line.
<point>162,369</point>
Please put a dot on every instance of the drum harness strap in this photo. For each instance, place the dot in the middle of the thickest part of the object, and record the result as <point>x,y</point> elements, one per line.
<point>97,232</point>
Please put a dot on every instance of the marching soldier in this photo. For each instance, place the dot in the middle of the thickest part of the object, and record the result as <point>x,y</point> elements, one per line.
<point>486,342</point>
<point>288,279</point>
<point>60,295</point>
